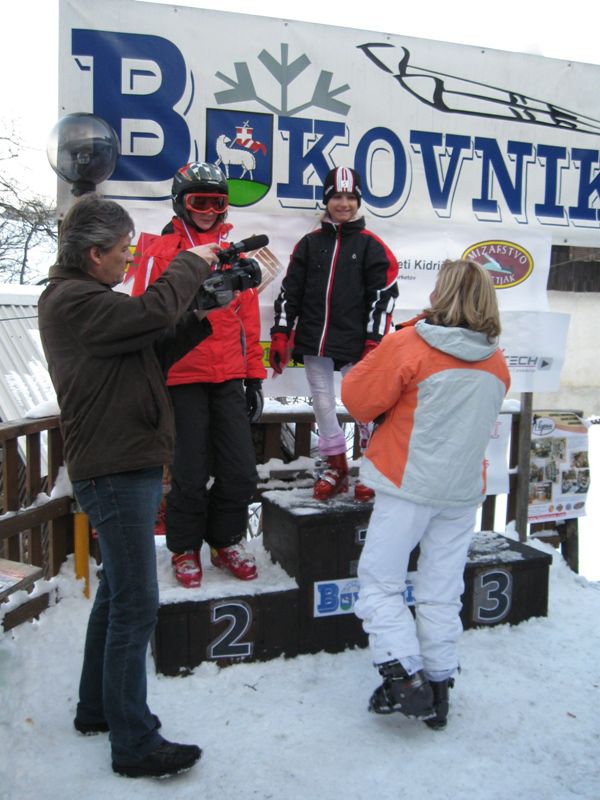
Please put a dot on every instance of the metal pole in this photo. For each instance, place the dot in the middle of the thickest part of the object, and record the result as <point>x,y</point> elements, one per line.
<point>82,549</point>
<point>524,457</point>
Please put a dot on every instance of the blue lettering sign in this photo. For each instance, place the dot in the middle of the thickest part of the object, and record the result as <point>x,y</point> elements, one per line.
<point>139,114</point>
<point>328,598</point>
<point>308,141</point>
<point>455,149</point>
<point>550,209</point>
<point>513,191</point>
<point>587,185</point>
<point>366,151</point>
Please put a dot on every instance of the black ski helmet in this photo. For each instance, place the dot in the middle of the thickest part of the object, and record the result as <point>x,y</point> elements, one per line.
<point>197,176</point>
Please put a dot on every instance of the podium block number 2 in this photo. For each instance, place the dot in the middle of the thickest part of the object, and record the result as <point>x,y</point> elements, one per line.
<point>228,643</point>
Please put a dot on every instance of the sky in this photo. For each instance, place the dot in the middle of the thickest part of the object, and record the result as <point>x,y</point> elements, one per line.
<point>29,52</point>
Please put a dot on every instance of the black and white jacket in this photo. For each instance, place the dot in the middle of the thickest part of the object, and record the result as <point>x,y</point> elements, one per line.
<point>341,288</point>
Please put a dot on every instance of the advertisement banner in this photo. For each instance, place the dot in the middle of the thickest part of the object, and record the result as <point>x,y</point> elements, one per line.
<point>559,472</point>
<point>332,598</point>
<point>443,134</point>
<point>533,341</point>
<point>463,151</point>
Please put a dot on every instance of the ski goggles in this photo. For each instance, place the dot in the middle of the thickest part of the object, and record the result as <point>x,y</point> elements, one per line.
<point>200,203</point>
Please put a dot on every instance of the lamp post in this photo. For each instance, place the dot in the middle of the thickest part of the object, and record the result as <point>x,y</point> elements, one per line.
<point>82,150</point>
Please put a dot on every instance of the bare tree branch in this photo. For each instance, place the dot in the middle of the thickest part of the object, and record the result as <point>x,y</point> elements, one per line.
<point>28,229</point>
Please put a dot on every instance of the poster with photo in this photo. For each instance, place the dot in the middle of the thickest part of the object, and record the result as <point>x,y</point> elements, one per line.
<point>559,470</point>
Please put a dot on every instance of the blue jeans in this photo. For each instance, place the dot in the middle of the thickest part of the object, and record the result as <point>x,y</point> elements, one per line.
<point>122,508</point>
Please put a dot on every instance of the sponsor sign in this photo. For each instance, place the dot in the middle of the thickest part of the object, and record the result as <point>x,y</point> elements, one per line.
<point>442,134</point>
<point>332,598</point>
<point>559,472</point>
<point>507,262</point>
<point>462,151</point>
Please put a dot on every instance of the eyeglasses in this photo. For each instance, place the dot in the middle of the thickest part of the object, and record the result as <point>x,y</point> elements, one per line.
<point>206,203</point>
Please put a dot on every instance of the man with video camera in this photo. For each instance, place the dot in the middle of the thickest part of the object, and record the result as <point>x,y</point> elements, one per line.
<point>107,356</point>
<point>216,392</point>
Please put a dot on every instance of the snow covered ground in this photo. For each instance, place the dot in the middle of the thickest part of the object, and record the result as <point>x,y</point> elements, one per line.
<point>524,719</point>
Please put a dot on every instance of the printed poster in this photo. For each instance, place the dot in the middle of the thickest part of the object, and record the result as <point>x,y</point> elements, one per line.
<point>559,471</point>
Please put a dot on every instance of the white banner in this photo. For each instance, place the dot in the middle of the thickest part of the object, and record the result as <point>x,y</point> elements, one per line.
<point>533,343</point>
<point>463,152</point>
<point>442,134</point>
<point>496,456</point>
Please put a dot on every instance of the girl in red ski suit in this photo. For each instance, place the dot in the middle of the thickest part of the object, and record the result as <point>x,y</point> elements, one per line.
<point>212,407</point>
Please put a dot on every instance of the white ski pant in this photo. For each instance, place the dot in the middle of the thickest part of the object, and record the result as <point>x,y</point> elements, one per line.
<point>444,534</point>
<point>320,376</point>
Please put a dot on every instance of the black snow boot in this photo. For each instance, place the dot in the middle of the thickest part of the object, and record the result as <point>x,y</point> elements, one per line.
<point>411,695</point>
<point>440,703</point>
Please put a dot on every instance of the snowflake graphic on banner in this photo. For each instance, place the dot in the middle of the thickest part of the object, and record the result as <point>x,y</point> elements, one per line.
<point>284,72</point>
<point>241,142</point>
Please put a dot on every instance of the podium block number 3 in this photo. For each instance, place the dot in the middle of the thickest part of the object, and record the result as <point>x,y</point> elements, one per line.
<point>492,596</point>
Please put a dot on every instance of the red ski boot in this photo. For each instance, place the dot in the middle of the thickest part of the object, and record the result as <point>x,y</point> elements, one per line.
<point>334,478</point>
<point>363,493</point>
<point>235,559</point>
<point>187,568</point>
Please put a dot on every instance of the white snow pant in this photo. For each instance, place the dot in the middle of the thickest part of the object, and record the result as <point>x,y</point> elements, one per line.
<point>319,374</point>
<point>444,534</point>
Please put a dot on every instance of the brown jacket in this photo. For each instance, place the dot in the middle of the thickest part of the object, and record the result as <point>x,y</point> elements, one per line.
<point>108,354</point>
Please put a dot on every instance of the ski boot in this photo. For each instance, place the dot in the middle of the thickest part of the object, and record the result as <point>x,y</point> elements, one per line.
<point>235,559</point>
<point>188,570</point>
<point>411,695</point>
<point>440,703</point>
<point>333,479</point>
<point>363,493</point>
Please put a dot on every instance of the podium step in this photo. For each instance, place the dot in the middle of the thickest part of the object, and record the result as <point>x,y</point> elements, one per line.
<point>303,599</point>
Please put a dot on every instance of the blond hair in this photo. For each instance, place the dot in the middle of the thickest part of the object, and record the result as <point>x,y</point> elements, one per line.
<point>464,297</point>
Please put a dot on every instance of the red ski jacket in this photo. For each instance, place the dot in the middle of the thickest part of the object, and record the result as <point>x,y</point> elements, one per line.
<point>234,350</point>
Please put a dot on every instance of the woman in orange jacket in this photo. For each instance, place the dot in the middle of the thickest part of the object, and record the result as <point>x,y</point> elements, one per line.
<point>435,388</point>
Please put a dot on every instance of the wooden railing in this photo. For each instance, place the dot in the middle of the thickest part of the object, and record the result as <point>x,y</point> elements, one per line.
<point>42,535</point>
<point>39,535</point>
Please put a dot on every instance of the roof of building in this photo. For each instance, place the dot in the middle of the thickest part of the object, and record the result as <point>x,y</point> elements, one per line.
<point>24,379</point>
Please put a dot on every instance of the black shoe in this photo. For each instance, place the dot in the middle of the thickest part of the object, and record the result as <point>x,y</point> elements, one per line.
<point>440,703</point>
<point>411,695</point>
<point>168,759</point>
<point>92,728</point>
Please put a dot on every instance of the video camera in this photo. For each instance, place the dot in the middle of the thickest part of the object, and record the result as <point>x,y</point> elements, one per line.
<point>243,273</point>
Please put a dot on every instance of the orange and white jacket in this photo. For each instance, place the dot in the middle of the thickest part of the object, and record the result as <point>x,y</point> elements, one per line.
<point>440,391</point>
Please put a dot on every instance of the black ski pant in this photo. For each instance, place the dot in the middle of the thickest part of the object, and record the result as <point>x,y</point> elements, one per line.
<point>213,438</point>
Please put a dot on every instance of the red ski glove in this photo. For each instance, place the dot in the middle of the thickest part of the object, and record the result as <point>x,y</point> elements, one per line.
<point>370,345</point>
<point>279,354</point>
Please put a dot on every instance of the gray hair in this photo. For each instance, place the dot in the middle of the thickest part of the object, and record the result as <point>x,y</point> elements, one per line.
<point>93,221</point>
